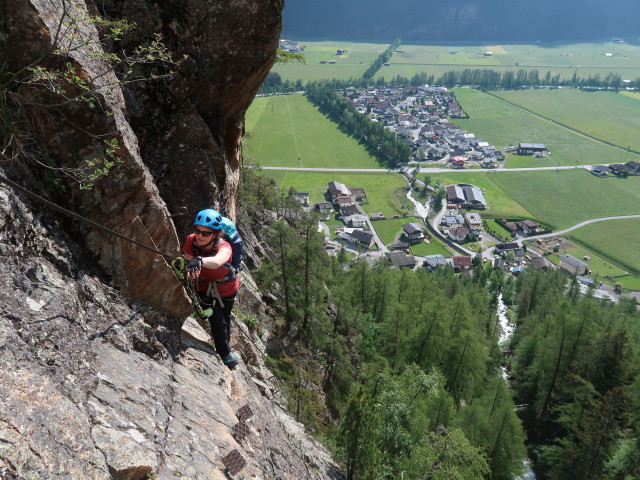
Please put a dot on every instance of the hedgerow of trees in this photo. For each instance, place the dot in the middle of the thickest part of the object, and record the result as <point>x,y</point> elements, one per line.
<point>382,144</point>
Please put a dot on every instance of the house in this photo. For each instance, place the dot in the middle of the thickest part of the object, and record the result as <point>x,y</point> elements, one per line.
<point>461,264</point>
<point>398,245</point>
<point>473,195</point>
<point>323,207</point>
<point>377,216</point>
<point>359,194</point>
<point>303,198</point>
<point>455,194</point>
<point>363,237</point>
<point>337,189</point>
<point>473,221</point>
<point>349,210</point>
<point>517,270</point>
<point>599,170</point>
<point>541,263</point>
<point>585,280</point>
<point>458,162</point>
<point>343,200</point>
<point>528,226</point>
<point>401,260</point>
<point>413,231</point>
<point>572,265</point>
<point>505,247</point>
<point>633,167</point>
<point>453,220</point>
<point>529,148</point>
<point>356,221</point>
<point>431,262</point>
<point>458,234</point>
<point>499,263</point>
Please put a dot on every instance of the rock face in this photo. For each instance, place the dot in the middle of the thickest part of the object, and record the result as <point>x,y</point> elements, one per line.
<point>179,138</point>
<point>93,388</point>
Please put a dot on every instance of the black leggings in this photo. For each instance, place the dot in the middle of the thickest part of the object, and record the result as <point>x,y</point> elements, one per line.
<point>220,321</point>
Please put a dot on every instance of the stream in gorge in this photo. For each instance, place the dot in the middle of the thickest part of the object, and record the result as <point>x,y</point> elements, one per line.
<point>506,327</point>
<point>506,330</point>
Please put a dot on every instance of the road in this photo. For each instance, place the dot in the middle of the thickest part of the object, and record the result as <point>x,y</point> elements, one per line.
<point>431,169</point>
<point>575,227</point>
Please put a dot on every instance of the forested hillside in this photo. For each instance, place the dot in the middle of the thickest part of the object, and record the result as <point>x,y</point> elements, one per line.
<point>418,21</point>
<point>401,371</point>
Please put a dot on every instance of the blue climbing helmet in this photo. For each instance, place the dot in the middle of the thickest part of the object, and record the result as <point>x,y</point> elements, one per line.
<point>209,218</point>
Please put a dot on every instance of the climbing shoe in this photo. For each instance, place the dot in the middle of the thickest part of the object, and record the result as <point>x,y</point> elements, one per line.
<point>231,360</point>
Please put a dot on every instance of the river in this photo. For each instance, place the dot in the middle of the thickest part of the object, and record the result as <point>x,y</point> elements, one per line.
<point>506,330</point>
<point>422,211</point>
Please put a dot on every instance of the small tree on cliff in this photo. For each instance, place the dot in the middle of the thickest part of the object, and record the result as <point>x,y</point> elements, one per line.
<point>56,79</point>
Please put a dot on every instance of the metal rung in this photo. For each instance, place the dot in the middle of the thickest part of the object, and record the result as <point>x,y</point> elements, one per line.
<point>245,412</point>
<point>241,430</point>
<point>234,462</point>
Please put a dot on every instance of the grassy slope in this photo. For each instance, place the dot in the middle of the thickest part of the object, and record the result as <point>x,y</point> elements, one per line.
<point>502,124</point>
<point>288,131</point>
<point>607,116</point>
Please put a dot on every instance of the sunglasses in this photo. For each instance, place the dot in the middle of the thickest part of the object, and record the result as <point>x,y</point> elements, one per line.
<point>197,231</point>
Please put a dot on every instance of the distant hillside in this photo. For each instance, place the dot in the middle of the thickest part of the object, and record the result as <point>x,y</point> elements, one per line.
<point>419,21</point>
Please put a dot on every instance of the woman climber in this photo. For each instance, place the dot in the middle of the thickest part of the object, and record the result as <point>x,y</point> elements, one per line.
<point>209,263</point>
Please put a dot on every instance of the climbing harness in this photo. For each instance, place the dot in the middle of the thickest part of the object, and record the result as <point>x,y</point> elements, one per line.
<point>201,316</point>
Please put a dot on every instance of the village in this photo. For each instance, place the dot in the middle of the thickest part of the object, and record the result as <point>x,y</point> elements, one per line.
<point>420,117</point>
<point>458,225</point>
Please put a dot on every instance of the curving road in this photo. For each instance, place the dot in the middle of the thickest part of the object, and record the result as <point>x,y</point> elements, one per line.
<point>575,227</point>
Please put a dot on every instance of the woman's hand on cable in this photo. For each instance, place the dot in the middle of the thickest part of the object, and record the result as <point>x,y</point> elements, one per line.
<point>193,267</point>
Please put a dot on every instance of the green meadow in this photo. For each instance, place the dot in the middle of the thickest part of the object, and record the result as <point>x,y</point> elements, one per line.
<point>435,247</point>
<point>618,240</point>
<point>288,131</point>
<point>502,124</point>
<point>381,188</point>
<point>585,60</point>
<point>349,65</point>
<point>500,204</point>
<point>559,198</point>
<point>598,265</point>
<point>607,116</point>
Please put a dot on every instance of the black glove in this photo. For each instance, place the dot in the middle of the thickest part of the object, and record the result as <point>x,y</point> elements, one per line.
<point>194,265</point>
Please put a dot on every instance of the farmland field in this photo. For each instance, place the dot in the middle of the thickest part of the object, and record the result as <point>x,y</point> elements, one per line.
<point>559,199</point>
<point>527,161</point>
<point>618,240</point>
<point>607,116</point>
<point>502,124</point>
<point>597,264</point>
<point>288,131</point>
<point>499,202</point>
<point>350,65</point>
<point>563,59</point>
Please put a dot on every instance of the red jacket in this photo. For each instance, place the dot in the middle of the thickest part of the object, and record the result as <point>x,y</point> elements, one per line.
<point>227,288</point>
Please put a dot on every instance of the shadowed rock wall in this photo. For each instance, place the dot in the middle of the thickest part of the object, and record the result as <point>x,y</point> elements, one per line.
<point>179,138</point>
